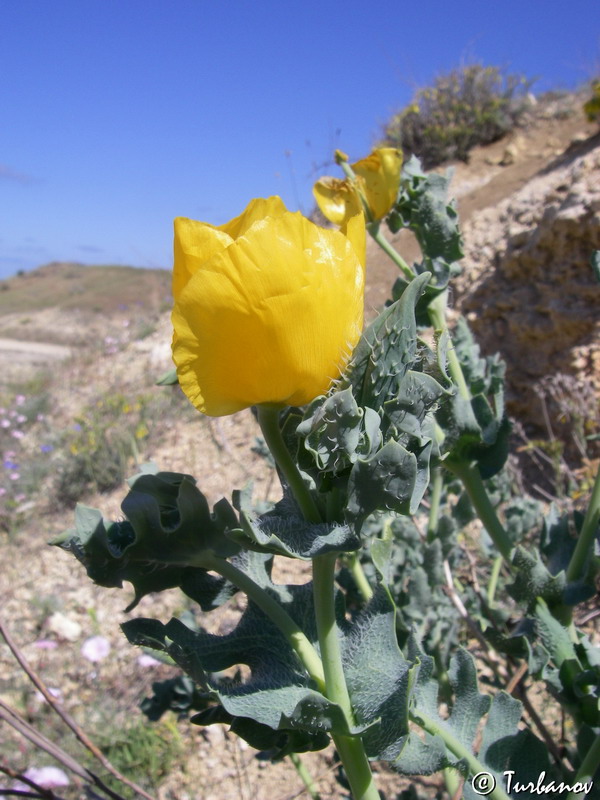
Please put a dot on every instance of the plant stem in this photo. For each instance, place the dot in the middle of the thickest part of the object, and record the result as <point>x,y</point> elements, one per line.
<point>329,640</point>
<point>587,770</point>
<point>493,584</point>
<point>268,419</point>
<point>458,749</point>
<point>305,776</point>
<point>374,230</point>
<point>452,779</point>
<point>437,483</point>
<point>437,317</point>
<point>327,671</point>
<point>356,766</point>
<point>349,748</point>
<point>360,579</point>
<point>276,613</point>
<point>586,537</point>
<point>473,483</point>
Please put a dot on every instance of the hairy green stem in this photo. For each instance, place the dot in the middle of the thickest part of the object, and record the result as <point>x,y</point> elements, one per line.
<point>360,579</point>
<point>276,613</point>
<point>357,768</point>
<point>478,495</point>
<point>493,584</point>
<point>329,640</point>
<point>437,484</point>
<point>350,748</point>
<point>268,419</point>
<point>452,779</point>
<point>587,770</point>
<point>585,541</point>
<point>374,230</point>
<point>457,749</point>
<point>305,776</point>
<point>437,316</point>
<point>328,672</point>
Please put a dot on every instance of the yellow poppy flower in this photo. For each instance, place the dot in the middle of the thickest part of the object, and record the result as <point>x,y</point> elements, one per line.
<point>268,307</point>
<point>377,180</point>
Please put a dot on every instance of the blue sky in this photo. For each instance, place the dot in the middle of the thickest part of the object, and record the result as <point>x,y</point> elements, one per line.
<point>118,115</point>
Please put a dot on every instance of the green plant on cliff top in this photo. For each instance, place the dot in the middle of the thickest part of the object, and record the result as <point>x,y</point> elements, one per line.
<point>468,106</point>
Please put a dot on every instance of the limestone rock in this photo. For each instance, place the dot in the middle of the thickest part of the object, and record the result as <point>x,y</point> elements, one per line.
<point>528,291</point>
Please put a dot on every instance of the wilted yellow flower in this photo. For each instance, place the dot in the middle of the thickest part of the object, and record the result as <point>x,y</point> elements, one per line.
<point>377,180</point>
<point>268,307</point>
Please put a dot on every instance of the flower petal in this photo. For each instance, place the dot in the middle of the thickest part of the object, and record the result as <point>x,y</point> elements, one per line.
<point>379,173</point>
<point>336,199</point>
<point>272,319</point>
<point>356,232</point>
<point>195,242</point>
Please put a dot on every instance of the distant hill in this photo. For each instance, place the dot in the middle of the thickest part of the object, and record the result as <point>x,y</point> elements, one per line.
<point>101,289</point>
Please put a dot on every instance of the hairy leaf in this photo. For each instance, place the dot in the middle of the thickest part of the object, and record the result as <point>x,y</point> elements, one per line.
<point>168,527</point>
<point>386,350</point>
<point>422,207</point>
<point>386,481</point>
<point>336,431</point>
<point>449,736</point>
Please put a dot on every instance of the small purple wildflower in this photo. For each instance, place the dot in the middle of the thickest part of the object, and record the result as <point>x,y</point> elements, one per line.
<point>47,777</point>
<point>45,644</point>
<point>96,648</point>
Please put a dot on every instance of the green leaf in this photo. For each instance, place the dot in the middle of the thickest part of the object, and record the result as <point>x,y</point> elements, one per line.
<point>278,692</point>
<point>386,481</point>
<point>172,519</point>
<point>483,375</point>
<point>386,350</point>
<point>502,743</point>
<point>378,677</point>
<point>336,431</point>
<point>557,542</point>
<point>275,744</point>
<point>405,413</point>
<point>422,206</point>
<point>477,430</point>
<point>159,545</point>
<point>179,695</point>
<point>289,534</point>
<point>169,378</point>
<point>504,748</point>
<point>533,580</point>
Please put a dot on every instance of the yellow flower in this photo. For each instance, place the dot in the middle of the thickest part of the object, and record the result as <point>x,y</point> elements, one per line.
<point>377,180</point>
<point>268,307</point>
